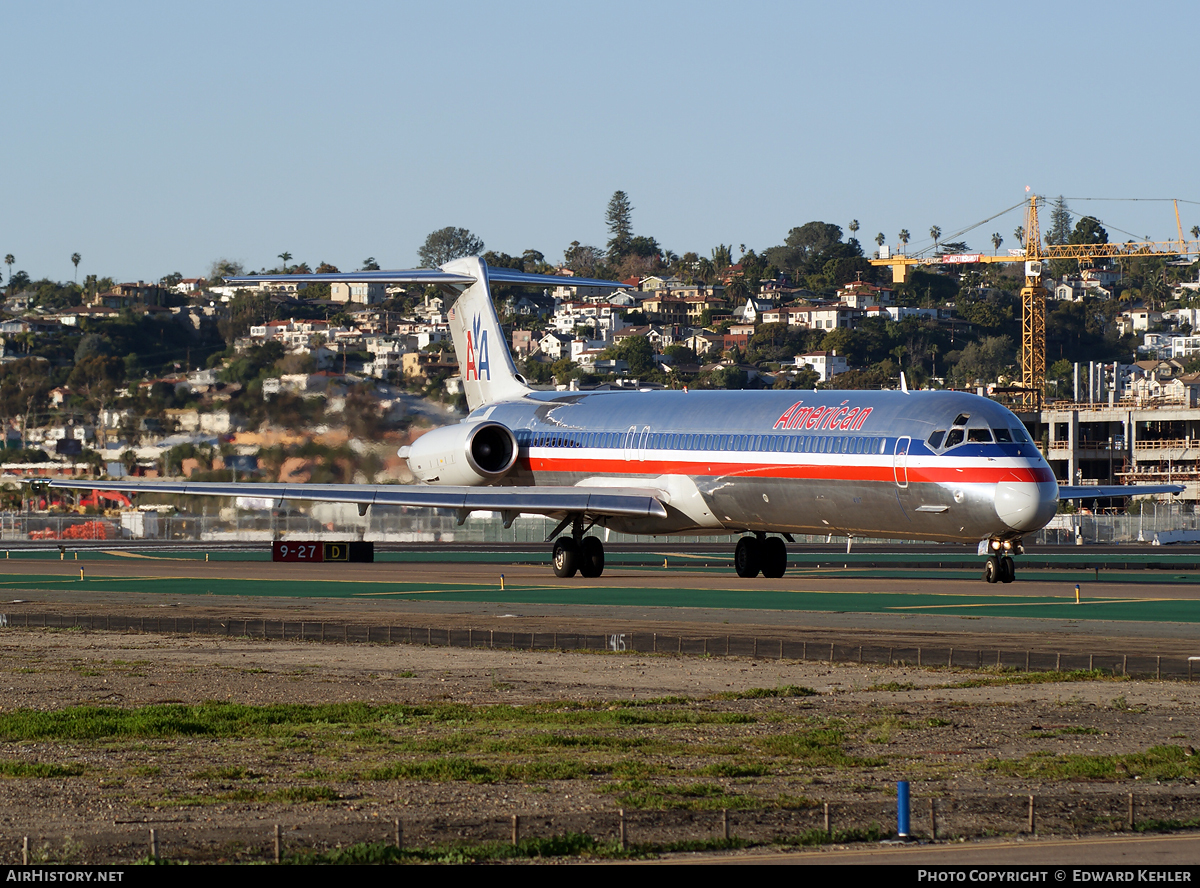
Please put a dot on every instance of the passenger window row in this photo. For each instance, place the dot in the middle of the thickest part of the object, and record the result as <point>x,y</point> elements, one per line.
<point>684,441</point>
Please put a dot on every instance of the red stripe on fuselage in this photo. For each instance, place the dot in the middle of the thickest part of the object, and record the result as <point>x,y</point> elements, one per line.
<point>880,472</point>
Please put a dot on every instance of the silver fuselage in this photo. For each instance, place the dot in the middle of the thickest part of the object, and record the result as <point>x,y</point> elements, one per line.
<point>845,462</point>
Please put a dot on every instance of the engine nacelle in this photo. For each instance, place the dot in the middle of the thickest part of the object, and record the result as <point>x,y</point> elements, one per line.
<point>470,453</point>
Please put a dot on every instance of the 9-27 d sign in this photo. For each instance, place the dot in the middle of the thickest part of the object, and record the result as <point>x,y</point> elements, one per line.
<point>298,550</point>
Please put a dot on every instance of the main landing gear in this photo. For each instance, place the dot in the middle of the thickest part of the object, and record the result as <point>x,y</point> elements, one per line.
<point>760,553</point>
<point>577,553</point>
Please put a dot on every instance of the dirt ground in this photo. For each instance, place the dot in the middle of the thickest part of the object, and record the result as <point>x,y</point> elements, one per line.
<point>219,799</point>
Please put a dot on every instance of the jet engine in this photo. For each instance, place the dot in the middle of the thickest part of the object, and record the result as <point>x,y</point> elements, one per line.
<point>469,454</point>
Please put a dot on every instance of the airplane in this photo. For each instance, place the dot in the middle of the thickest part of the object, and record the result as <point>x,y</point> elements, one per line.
<point>917,465</point>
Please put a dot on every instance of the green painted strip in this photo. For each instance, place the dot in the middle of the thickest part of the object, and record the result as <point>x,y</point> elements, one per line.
<point>967,604</point>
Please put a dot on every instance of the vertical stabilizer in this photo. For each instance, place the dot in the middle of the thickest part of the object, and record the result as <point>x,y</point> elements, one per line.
<point>484,362</point>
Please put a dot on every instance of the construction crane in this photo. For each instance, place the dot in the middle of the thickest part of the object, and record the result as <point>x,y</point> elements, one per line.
<point>1033,294</point>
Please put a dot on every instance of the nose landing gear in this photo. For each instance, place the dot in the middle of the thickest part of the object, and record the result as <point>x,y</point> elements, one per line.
<point>1000,567</point>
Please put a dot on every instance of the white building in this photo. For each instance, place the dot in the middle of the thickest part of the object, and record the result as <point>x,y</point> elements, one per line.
<point>826,364</point>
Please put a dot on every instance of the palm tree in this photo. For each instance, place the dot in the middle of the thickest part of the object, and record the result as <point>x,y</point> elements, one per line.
<point>1196,232</point>
<point>75,257</point>
<point>997,240</point>
<point>853,227</point>
<point>904,237</point>
<point>935,233</point>
<point>1019,234</point>
<point>879,239</point>
<point>9,260</point>
<point>285,256</point>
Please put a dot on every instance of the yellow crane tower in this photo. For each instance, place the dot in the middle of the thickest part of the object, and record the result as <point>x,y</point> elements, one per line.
<point>1033,294</point>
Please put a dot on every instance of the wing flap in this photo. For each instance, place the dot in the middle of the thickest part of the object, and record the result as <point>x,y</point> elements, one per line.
<point>630,502</point>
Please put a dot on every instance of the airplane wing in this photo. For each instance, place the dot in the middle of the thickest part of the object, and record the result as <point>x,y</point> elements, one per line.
<point>1111,490</point>
<point>616,501</point>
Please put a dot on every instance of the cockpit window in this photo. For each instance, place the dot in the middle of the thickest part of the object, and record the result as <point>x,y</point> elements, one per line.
<point>935,440</point>
<point>979,436</point>
<point>954,438</point>
<point>961,419</point>
<point>1019,435</point>
<point>1002,436</point>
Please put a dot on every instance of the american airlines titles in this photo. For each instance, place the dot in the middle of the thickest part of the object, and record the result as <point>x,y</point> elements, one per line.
<point>477,353</point>
<point>843,418</point>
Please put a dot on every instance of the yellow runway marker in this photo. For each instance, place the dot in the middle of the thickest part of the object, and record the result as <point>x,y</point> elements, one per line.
<point>136,555</point>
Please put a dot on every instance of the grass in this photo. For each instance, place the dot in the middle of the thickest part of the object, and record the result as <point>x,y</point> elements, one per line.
<point>38,769</point>
<point>766,693</point>
<point>216,720</point>
<point>1156,763</point>
<point>815,748</point>
<point>1020,678</point>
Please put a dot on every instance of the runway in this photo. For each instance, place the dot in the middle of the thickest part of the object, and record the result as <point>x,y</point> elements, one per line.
<point>1139,611</point>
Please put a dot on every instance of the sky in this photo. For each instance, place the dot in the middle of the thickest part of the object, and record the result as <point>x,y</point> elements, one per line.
<point>158,137</point>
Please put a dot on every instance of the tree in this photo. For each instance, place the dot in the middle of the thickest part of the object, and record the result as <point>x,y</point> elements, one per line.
<point>583,260</point>
<point>1059,231</point>
<point>904,238</point>
<point>809,246</point>
<point>1088,231</point>
<point>447,244</point>
<point>224,268</point>
<point>327,268</point>
<point>1196,232</point>
<point>75,257</point>
<point>997,240</point>
<point>9,260</point>
<point>98,379</point>
<point>935,233</point>
<point>1019,234</point>
<point>879,239</point>
<point>619,219</point>
<point>853,226</point>
<point>285,256</point>
<point>369,264</point>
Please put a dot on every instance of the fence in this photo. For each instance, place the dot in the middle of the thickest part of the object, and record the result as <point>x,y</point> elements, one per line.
<point>401,525</point>
<point>755,646</point>
<point>808,822</point>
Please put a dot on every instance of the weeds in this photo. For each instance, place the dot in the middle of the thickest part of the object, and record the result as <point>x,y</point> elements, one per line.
<point>1156,763</point>
<point>1018,678</point>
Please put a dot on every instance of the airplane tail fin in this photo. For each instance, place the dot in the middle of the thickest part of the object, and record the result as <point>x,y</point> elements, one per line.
<point>487,368</point>
<point>484,362</point>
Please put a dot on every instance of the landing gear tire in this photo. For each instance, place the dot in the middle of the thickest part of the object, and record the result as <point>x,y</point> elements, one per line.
<point>774,557</point>
<point>992,570</point>
<point>591,557</point>
<point>747,557</point>
<point>1008,570</point>
<point>566,558</point>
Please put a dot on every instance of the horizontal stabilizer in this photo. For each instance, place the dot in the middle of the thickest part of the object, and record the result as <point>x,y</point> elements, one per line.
<point>1112,490</point>
<point>424,276</point>
<point>594,501</point>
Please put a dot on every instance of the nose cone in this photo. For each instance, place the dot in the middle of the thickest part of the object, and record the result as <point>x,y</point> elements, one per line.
<point>1026,506</point>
